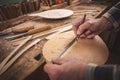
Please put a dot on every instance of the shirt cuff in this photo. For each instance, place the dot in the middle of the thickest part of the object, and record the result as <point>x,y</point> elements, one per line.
<point>102,72</point>
<point>89,72</point>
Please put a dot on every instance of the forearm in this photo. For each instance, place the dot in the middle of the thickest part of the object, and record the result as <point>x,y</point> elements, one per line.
<point>113,15</point>
<point>103,72</point>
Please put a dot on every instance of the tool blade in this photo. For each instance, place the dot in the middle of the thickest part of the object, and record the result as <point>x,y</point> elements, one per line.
<point>66,48</point>
<point>4,33</point>
<point>15,37</point>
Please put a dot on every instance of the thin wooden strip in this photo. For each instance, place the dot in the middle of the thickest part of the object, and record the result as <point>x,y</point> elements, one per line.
<point>13,52</point>
<point>50,2</point>
<point>47,2</point>
<point>60,31</point>
<point>18,55</point>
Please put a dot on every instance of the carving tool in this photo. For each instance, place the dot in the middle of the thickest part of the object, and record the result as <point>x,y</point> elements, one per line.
<point>84,18</point>
<point>30,32</point>
<point>16,30</point>
<point>66,48</point>
<point>70,44</point>
<point>17,56</point>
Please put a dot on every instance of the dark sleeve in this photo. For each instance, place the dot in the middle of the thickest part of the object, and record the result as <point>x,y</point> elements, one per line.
<point>113,15</point>
<point>103,72</point>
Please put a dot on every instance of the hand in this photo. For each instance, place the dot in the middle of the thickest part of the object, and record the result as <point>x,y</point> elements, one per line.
<point>90,28</point>
<point>65,69</point>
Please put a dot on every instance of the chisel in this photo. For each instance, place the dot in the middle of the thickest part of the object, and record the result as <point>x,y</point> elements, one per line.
<point>70,44</point>
<point>32,31</point>
<point>16,30</point>
<point>66,48</point>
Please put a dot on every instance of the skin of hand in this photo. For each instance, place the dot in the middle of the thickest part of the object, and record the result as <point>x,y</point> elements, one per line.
<point>65,69</point>
<point>90,27</point>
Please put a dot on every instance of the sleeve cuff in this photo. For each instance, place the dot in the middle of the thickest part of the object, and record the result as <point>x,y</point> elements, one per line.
<point>89,72</point>
<point>103,72</point>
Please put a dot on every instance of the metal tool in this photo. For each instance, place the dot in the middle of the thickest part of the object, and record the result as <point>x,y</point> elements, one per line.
<point>66,48</point>
<point>32,31</point>
<point>70,44</point>
<point>84,18</point>
<point>16,30</point>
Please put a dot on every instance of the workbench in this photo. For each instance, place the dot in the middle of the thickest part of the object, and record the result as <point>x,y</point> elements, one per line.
<point>30,65</point>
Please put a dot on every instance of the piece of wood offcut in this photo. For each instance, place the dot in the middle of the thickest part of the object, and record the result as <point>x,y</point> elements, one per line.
<point>18,55</point>
<point>88,50</point>
<point>13,52</point>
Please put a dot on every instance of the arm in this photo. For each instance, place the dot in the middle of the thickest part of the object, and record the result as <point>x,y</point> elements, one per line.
<point>102,72</point>
<point>113,16</point>
<point>110,20</point>
<point>73,69</point>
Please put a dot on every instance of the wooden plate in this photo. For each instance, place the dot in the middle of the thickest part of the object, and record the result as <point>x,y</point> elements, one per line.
<point>54,14</point>
<point>88,50</point>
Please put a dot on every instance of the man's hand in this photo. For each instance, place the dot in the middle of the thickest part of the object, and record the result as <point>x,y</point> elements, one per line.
<point>65,69</point>
<point>90,28</point>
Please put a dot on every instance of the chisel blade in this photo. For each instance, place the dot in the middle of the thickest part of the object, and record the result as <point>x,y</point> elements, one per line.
<point>66,48</point>
<point>5,32</point>
<point>16,36</point>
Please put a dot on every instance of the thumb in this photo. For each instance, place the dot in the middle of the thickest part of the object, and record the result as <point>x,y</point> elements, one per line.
<point>60,61</point>
<point>50,67</point>
<point>83,28</point>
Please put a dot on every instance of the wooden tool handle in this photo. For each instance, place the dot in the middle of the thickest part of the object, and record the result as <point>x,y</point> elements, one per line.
<point>33,31</point>
<point>21,29</point>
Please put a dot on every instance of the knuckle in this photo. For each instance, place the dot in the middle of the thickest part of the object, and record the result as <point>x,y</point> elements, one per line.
<point>45,67</point>
<point>90,23</point>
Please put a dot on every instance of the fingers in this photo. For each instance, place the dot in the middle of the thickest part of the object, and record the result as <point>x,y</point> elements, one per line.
<point>49,66</point>
<point>88,32</point>
<point>91,36</point>
<point>76,24</point>
<point>52,70</point>
<point>83,28</point>
<point>55,64</point>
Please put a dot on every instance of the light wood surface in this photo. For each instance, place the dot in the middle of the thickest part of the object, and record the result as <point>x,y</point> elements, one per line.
<point>88,50</point>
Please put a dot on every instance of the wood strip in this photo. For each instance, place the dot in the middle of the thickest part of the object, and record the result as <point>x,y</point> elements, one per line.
<point>13,11</point>
<point>57,33</point>
<point>19,9</point>
<point>25,8</point>
<point>34,4</point>
<point>13,52</point>
<point>10,11</point>
<point>37,5</point>
<point>2,13</point>
<point>1,18</point>
<point>18,55</point>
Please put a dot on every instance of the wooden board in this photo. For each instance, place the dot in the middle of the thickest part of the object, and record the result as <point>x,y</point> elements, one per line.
<point>88,50</point>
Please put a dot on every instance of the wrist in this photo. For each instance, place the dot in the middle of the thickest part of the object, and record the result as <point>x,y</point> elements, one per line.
<point>89,72</point>
<point>82,69</point>
<point>105,23</point>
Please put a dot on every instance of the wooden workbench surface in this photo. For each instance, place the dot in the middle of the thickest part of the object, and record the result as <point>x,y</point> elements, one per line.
<point>32,59</point>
